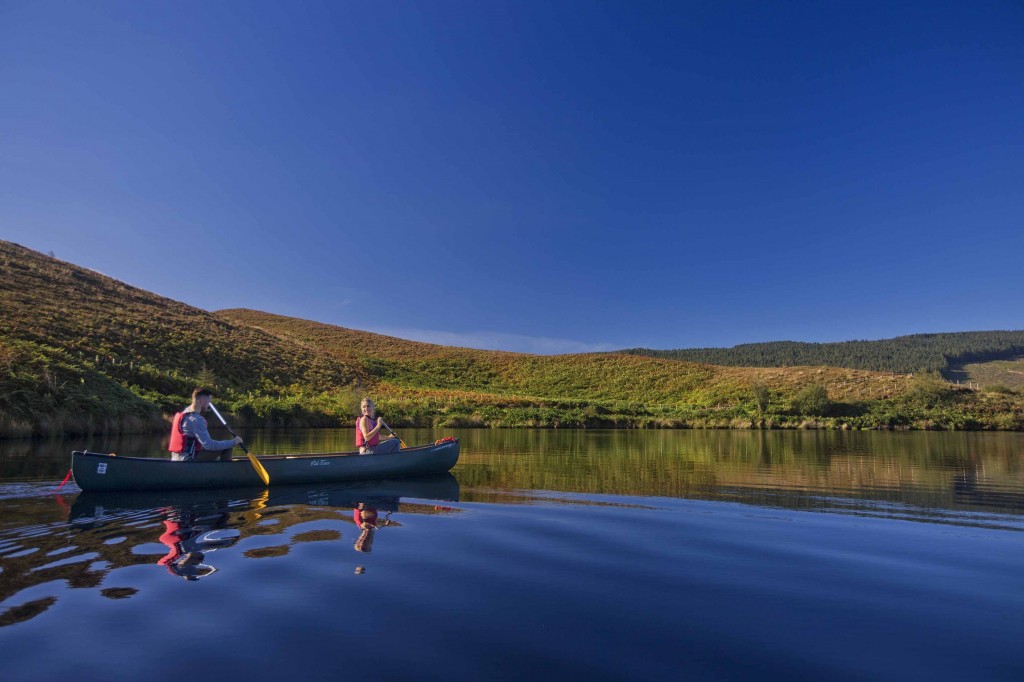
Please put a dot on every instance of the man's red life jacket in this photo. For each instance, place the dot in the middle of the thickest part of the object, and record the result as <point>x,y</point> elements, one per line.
<point>361,440</point>
<point>179,441</point>
<point>172,539</point>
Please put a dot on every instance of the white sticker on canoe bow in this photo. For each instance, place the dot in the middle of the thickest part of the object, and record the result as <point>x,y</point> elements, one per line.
<point>101,468</point>
<point>320,463</point>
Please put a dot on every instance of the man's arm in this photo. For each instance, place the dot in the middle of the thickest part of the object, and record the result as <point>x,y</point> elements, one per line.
<point>195,425</point>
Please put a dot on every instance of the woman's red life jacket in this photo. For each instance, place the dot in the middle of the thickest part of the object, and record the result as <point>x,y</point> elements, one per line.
<point>361,516</point>
<point>179,441</point>
<point>360,440</point>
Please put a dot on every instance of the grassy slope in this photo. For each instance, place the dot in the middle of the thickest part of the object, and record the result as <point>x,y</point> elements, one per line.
<point>75,342</point>
<point>1007,373</point>
<point>459,386</point>
<point>597,376</point>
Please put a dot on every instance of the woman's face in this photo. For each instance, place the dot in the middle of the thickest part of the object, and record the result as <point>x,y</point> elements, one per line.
<point>368,408</point>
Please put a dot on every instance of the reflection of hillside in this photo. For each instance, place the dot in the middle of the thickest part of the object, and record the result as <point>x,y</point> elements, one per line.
<point>81,545</point>
<point>806,471</point>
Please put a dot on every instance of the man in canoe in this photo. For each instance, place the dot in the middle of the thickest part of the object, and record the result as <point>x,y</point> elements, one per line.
<point>190,436</point>
<point>368,428</point>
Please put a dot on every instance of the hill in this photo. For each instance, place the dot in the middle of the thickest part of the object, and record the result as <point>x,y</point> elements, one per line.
<point>593,376</point>
<point>944,353</point>
<point>440,385</point>
<point>82,352</point>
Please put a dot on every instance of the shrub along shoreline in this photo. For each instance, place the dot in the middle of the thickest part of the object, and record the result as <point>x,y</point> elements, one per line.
<point>929,404</point>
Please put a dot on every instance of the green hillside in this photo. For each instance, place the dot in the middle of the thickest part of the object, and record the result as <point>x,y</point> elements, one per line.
<point>430,384</point>
<point>903,354</point>
<point>583,377</point>
<point>81,352</point>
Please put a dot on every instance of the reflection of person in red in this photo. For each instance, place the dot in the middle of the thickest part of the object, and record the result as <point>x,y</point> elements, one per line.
<point>366,520</point>
<point>186,539</point>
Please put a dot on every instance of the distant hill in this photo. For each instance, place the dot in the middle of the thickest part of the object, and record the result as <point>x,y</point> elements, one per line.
<point>81,352</point>
<point>582,377</point>
<point>462,387</point>
<point>903,354</point>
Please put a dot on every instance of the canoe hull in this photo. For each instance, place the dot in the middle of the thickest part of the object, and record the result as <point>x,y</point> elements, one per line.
<point>382,495</point>
<point>96,471</point>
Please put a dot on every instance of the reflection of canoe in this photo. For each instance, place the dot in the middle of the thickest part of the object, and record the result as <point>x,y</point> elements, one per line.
<point>95,471</point>
<point>382,494</point>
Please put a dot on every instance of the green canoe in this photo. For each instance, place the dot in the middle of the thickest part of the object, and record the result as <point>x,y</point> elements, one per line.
<point>97,471</point>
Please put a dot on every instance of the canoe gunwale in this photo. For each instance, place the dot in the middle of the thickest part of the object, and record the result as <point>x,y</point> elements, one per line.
<point>262,458</point>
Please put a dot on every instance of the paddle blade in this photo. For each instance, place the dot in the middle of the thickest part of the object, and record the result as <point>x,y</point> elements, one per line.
<point>259,468</point>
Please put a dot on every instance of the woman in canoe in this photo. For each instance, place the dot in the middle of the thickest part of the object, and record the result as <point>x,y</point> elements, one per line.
<point>368,428</point>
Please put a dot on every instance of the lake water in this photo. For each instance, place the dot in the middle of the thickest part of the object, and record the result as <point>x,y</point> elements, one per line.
<point>597,555</point>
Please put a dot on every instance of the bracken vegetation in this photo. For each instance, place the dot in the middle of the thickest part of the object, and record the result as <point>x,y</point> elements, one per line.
<point>81,352</point>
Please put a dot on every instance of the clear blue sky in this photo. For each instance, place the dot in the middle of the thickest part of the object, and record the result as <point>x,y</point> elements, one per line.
<point>531,176</point>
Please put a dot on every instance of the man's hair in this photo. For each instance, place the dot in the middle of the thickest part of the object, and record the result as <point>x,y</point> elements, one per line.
<point>201,391</point>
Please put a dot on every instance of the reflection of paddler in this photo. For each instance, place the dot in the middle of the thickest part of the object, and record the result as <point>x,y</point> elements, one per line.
<point>187,565</point>
<point>185,540</point>
<point>366,520</point>
<point>364,515</point>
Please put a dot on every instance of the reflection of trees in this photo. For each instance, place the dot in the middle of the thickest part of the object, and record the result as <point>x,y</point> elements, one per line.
<point>109,532</point>
<point>19,614</point>
<point>45,459</point>
<point>793,469</point>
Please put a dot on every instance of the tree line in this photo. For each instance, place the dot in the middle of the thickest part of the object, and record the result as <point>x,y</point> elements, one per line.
<point>903,354</point>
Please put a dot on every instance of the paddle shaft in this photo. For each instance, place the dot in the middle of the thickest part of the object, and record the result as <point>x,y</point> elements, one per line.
<point>260,470</point>
<point>391,431</point>
<point>214,410</point>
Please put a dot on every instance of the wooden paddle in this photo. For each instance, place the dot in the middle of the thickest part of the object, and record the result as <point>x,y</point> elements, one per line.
<point>400,441</point>
<point>252,458</point>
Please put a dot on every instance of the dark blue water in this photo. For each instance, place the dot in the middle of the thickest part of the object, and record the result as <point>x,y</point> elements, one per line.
<point>581,555</point>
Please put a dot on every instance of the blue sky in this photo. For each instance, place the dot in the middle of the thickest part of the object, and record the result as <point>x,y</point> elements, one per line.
<point>531,176</point>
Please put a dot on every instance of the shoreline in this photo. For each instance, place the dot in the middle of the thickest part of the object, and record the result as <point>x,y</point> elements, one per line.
<point>805,425</point>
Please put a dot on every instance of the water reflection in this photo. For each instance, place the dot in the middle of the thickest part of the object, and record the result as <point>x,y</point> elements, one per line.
<point>189,536</point>
<point>365,518</point>
<point>186,534</point>
<point>848,472</point>
<point>585,524</point>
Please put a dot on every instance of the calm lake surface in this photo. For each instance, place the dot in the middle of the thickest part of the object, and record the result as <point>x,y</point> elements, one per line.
<point>598,555</point>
